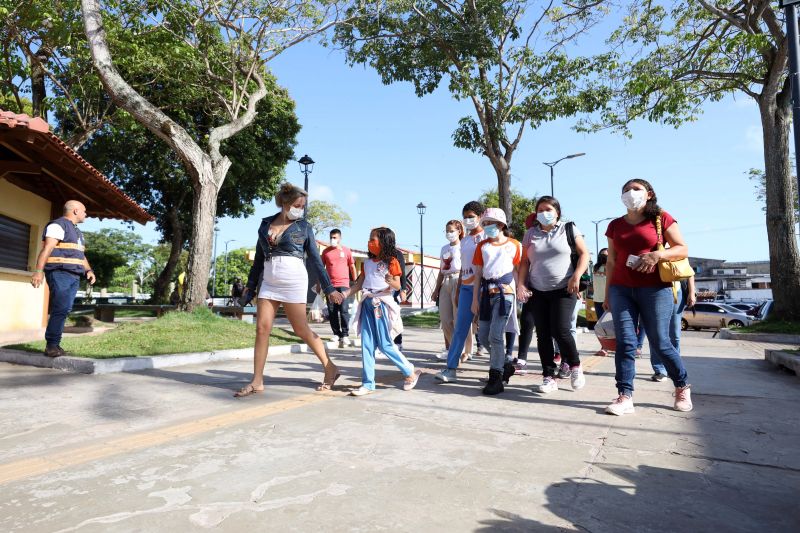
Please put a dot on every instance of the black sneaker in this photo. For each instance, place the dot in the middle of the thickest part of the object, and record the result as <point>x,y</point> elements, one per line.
<point>508,371</point>
<point>658,376</point>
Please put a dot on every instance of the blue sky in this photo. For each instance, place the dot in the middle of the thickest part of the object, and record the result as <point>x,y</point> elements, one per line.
<point>380,151</point>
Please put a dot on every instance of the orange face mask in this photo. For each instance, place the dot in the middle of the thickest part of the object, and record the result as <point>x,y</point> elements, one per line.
<point>374,247</point>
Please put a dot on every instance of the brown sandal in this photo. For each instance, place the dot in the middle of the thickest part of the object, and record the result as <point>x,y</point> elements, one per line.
<point>247,391</point>
<point>328,386</point>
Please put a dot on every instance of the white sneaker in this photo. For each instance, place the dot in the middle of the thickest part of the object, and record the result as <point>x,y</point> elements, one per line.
<point>361,391</point>
<point>622,405</point>
<point>577,378</point>
<point>442,356</point>
<point>342,342</point>
<point>683,398</point>
<point>548,385</point>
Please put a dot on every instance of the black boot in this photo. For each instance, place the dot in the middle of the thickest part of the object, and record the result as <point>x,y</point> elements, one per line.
<point>508,371</point>
<point>495,384</point>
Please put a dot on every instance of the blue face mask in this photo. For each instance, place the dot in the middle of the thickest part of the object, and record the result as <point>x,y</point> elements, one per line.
<point>546,218</point>
<point>491,231</point>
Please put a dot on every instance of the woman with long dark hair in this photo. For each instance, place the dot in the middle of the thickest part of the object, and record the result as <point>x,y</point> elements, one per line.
<point>635,290</point>
<point>283,239</point>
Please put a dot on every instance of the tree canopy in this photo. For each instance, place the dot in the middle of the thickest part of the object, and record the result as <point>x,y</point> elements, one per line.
<point>326,215</point>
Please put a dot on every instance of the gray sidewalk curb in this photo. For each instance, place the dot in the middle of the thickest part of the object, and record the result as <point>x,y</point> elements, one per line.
<point>784,359</point>
<point>778,338</point>
<point>83,365</point>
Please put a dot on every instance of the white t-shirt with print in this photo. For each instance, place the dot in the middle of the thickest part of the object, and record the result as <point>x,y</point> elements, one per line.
<point>375,274</point>
<point>468,246</point>
<point>451,259</point>
<point>498,259</point>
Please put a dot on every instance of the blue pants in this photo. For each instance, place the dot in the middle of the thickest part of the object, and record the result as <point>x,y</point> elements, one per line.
<point>493,332</point>
<point>63,287</point>
<point>464,318</point>
<point>674,333</point>
<point>375,335</point>
<point>656,308</point>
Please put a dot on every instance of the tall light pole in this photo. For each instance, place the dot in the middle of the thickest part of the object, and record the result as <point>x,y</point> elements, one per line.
<point>421,210</point>
<point>227,285</point>
<point>554,163</point>
<point>306,166</point>
<point>214,286</point>
<point>596,238</point>
<point>790,11</point>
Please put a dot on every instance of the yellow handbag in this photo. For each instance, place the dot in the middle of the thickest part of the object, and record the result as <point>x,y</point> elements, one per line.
<point>671,271</point>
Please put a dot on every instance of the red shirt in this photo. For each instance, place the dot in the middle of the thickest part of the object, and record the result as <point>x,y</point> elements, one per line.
<point>635,240</point>
<point>337,262</point>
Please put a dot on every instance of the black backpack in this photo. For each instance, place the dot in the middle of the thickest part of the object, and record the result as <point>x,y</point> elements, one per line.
<point>573,257</point>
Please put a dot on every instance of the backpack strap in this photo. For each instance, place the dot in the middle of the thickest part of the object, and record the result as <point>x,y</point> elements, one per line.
<point>570,227</point>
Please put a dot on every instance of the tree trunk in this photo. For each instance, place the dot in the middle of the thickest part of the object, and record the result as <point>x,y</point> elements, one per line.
<point>783,253</point>
<point>161,285</point>
<point>38,88</point>
<point>503,171</point>
<point>204,217</point>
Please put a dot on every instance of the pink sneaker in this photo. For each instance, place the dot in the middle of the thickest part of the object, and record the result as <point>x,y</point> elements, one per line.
<point>683,398</point>
<point>622,405</point>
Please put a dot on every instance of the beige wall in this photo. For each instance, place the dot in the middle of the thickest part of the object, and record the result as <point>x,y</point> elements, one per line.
<point>24,306</point>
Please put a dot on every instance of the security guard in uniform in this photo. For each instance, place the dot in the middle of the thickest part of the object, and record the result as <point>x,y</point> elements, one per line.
<point>62,263</point>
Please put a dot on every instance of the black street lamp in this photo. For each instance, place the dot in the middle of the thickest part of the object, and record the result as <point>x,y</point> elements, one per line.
<point>421,210</point>
<point>306,166</point>
<point>214,286</point>
<point>554,163</point>
<point>596,238</point>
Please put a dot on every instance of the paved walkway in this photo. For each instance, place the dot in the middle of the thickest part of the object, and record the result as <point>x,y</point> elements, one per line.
<point>173,450</point>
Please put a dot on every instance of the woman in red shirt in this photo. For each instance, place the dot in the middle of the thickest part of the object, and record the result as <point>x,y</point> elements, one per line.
<point>634,290</point>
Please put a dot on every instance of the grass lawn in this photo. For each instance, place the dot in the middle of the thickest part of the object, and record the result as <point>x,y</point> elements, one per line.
<point>772,326</point>
<point>176,332</point>
<point>424,320</point>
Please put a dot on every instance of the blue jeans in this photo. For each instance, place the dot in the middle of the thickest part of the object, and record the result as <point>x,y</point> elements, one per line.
<point>655,307</point>
<point>674,332</point>
<point>493,332</point>
<point>375,335</point>
<point>63,287</point>
<point>464,318</point>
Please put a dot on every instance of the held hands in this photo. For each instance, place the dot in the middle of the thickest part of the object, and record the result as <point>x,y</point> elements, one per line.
<point>523,294</point>
<point>336,297</point>
<point>36,279</point>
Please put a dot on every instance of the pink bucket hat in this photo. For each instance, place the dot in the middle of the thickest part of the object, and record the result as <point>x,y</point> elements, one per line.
<point>494,214</point>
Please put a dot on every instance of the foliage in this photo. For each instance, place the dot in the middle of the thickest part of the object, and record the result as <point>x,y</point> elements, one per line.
<point>759,179</point>
<point>511,59</point>
<point>326,215</point>
<point>521,207</point>
<point>236,266</point>
<point>109,249</point>
<point>176,332</point>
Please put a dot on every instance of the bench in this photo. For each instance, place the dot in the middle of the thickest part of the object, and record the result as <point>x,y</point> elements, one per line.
<point>234,311</point>
<point>106,312</point>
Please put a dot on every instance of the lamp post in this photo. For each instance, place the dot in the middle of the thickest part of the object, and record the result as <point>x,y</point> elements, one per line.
<point>306,166</point>
<point>214,286</point>
<point>421,210</point>
<point>226,264</point>
<point>596,238</point>
<point>554,163</point>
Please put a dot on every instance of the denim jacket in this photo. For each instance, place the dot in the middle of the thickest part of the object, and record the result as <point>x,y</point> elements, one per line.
<point>294,242</point>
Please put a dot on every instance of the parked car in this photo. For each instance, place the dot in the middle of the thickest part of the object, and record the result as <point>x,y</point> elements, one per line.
<point>714,316</point>
<point>744,307</point>
<point>763,310</point>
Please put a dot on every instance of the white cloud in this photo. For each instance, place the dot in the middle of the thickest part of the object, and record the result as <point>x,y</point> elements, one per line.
<point>352,198</point>
<point>320,192</point>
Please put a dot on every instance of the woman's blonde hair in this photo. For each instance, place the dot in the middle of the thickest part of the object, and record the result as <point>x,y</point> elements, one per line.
<point>287,194</point>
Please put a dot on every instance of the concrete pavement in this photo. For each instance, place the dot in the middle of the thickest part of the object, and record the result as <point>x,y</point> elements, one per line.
<point>171,449</point>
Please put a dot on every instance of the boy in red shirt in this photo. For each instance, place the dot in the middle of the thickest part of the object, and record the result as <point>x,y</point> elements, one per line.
<point>341,268</point>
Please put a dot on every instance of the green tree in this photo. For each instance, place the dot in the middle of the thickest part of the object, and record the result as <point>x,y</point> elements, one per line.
<point>511,59</point>
<point>236,266</point>
<point>693,52</point>
<point>221,49</point>
<point>158,182</point>
<point>109,249</point>
<point>521,207</point>
<point>326,215</point>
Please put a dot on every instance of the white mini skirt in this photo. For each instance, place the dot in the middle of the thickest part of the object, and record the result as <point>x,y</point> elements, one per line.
<point>285,279</point>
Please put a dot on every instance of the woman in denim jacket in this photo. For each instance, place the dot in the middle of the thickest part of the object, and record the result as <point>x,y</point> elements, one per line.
<point>283,240</point>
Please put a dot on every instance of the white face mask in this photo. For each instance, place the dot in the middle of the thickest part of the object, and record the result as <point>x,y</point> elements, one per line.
<point>471,223</point>
<point>634,199</point>
<point>452,236</point>
<point>546,218</point>
<point>335,241</point>
<point>295,213</point>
